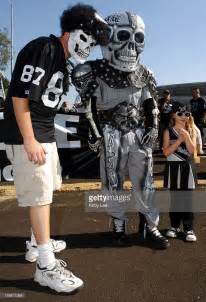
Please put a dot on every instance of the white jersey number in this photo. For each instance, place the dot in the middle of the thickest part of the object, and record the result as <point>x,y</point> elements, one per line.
<point>54,90</point>
<point>52,94</point>
<point>27,74</point>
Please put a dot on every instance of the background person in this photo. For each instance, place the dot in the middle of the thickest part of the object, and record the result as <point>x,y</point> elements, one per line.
<point>198,110</point>
<point>165,107</point>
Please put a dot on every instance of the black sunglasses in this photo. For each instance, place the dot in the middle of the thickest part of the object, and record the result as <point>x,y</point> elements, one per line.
<point>186,113</point>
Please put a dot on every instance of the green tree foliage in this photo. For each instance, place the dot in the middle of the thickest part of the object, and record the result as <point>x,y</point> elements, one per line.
<point>6,84</point>
<point>4,49</point>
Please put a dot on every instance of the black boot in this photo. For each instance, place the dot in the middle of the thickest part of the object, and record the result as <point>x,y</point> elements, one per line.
<point>119,232</point>
<point>142,227</point>
<point>156,238</point>
<point>151,235</point>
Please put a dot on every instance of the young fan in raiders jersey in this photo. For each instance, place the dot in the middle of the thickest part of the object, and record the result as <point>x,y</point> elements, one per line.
<point>39,79</point>
<point>179,144</point>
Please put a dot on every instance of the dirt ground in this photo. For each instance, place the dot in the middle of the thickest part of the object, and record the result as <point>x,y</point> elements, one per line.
<point>127,274</point>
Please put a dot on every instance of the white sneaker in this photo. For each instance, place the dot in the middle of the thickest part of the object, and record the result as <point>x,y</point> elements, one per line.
<point>32,251</point>
<point>190,236</point>
<point>173,232</point>
<point>57,277</point>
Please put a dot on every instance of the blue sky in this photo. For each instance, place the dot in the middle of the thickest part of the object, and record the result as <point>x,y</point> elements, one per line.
<point>175,31</point>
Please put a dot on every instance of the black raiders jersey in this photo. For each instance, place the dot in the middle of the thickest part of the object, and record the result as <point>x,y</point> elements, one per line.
<point>40,75</point>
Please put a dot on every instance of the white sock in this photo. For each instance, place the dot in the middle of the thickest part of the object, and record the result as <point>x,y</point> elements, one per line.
<point>46,255</point>
<point>33,239</point>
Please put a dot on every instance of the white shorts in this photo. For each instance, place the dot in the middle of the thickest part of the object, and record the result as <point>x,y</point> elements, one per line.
<point>35,184</point>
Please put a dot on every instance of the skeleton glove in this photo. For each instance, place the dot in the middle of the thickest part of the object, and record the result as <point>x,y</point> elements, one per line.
<point>150,137</point>
<point>95,145</point>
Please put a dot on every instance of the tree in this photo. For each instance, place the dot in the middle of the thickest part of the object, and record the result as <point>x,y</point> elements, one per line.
<point>4,49</point>
<point>5,83</point>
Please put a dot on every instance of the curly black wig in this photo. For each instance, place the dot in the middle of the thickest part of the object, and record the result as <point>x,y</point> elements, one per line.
<point>81,16</point>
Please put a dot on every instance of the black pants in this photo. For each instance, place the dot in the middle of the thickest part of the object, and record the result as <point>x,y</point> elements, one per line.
<point>201,128</point>
<point>181,209</point>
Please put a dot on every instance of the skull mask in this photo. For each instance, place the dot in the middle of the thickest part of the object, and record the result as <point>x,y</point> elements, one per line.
<point>126,41</point>
<point>80,45</point>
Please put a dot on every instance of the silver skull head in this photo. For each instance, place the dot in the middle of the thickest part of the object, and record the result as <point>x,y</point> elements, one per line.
<point>80,45</point>
<point>126,41</point>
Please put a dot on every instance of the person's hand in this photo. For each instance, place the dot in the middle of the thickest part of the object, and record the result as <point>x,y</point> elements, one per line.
<point>150,137</point>
<point>35,151</point>
<point>180,139</point>
<point>95,145</point>
<point>184,134</point>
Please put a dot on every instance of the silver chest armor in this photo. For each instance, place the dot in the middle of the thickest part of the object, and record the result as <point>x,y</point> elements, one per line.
<point>124,117</point>
<point>119,95</point>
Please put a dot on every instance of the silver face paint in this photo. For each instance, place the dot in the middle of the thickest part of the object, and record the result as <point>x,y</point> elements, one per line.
<point>80,45</point>
<point>126,42</point>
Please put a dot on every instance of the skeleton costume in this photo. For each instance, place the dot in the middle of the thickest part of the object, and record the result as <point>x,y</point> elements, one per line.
<point>120,98</point>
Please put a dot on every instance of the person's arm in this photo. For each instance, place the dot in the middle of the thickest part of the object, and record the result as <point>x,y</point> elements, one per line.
<point>34,149</point>
<point>189,142</point>
<point>168,148</point>
<point>85,83</point>
<point>151,112</point>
